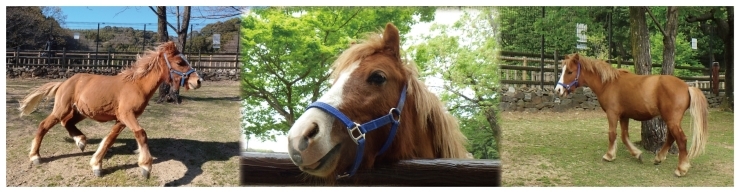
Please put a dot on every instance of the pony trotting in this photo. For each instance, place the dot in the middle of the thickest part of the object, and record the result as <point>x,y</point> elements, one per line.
<point>376,111</point>
<point>121,98</point>
<point>624,95</point>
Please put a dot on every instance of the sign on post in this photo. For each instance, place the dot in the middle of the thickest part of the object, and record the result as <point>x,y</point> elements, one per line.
<point>77,35</point>
<point>581,34</point>
<point>216,41</point>
<point>693,43</point>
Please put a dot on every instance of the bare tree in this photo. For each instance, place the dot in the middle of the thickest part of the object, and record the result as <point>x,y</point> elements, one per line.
<point>181,28</point>
<point>54,12</point>
<point>218,12</point>
<point>161,12</point>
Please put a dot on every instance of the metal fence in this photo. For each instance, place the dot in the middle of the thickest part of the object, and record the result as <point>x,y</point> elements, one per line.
<point>135,37</point>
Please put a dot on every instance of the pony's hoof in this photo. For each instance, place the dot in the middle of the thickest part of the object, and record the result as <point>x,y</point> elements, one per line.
<point>656,162</point>
<point>98,173</point>
<point>81,146</point>
<point>36,162</point>
<point>606,158</point>
<point>678,173</point>
<point>144,173</point>
<point>639,158</point>
<point>136,151</point>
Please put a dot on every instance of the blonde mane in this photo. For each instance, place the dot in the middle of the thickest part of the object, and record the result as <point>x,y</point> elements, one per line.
<point>604,69</point>
<point>429,107</point>
<point>144,65</point>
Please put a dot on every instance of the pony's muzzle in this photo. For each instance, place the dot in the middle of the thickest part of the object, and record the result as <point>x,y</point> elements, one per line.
<point>298,144</point>
<point>560,90</point>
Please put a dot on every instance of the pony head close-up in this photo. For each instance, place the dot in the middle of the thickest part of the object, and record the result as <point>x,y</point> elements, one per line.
<point>375,111</point>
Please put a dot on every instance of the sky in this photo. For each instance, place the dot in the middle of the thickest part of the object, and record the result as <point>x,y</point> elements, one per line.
<point>447,17</point>
<point>87,17</point>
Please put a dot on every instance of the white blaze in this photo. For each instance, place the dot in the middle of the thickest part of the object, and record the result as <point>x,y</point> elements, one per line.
<point>559,88</point>
<point>324,121</point>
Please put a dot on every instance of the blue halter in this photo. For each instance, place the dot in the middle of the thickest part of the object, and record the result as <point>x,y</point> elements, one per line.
<point>183,75</point>
<point>357,131</point>
<point>574,82</point>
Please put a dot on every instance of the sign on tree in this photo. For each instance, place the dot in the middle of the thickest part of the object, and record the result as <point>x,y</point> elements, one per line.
<point>216,41</point>
<point>581,34</point>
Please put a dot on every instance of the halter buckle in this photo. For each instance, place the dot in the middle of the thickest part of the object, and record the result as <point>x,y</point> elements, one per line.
<point>395,113</point>
<point>342,176</point>
<point>360,135</point>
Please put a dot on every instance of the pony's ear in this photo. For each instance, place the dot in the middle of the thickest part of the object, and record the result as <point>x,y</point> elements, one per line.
<point>392,40</point>
<point>169,47</point>
<point>575,56</point>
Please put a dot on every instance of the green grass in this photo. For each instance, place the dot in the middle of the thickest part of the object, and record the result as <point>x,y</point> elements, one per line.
<point>193,144</point>
<point>565,149</point>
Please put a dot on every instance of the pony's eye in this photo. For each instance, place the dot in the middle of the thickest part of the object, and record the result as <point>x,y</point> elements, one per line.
<point>376,78</point>
<point>570,72</point>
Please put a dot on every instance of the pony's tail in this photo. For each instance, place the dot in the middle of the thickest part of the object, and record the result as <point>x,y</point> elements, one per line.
<point>699,111</point>
<point>28,104</point>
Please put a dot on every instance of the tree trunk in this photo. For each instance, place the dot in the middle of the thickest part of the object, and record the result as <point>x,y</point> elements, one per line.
<point>729,43</point>
<point>654,130</point>
<point>162,24</point>
<point>492,119</point>
<point>182,34</point>
<point>669,41</point>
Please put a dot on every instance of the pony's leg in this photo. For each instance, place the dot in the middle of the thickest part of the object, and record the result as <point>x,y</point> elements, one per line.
<point>44,127</point>
<point>145,158</point>
<point>635,152</point>
<point>674,127</point>
<point>611,152</point>
<point>664,150</point>
<point>97,158</point>
<point>76,134</point>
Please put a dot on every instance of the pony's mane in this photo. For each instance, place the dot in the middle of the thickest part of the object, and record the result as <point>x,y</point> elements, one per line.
<point>431,110</point>
<point>604,69</point>
<point>429,107</point>
<point>143,65</point>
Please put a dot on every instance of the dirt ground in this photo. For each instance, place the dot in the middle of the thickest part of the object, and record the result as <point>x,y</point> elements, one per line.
<point>193,144</point>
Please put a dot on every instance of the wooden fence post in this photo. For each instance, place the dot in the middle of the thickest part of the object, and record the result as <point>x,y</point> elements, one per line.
<point>108,59</point>
<point>64,58</point>
<point>715,78</point>
<point>524,72</point>
<point>555,65</point>
<point>17,51</point>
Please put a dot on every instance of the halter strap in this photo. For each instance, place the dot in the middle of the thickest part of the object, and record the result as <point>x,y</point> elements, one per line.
<point>574,82</point>
<point>357,131</point>
<point>184,75</point>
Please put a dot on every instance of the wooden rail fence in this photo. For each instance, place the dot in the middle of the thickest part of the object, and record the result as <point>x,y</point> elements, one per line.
<point>523,69</point>
<point>76,59</point>
<point>276,169</point>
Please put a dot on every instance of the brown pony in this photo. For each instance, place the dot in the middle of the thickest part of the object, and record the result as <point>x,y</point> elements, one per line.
<point>370,80</point>
<point>624,95</point>
<point>121,98</point>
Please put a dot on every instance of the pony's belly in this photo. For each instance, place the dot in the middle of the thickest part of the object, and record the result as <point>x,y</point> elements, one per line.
<point>101,114</point>
<point>639,115</point>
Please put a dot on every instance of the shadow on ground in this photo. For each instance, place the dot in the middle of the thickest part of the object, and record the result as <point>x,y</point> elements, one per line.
<point>191,153</point>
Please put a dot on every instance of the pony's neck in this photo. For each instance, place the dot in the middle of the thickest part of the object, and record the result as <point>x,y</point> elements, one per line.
<point>151,81</point>
<point>593,81</point>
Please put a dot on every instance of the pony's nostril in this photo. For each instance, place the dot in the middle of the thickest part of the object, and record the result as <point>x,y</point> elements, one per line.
<point>314,131</point>
<point>303,144</point>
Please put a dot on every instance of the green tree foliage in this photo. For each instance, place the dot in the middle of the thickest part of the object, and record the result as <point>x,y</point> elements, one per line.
<point>521,28</point>
<point>287,53</point>
<point>463,56</point>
